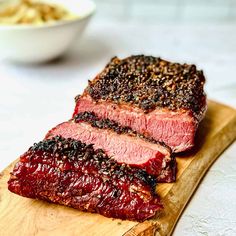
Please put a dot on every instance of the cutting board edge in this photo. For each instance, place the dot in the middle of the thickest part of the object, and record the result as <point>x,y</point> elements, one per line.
<point>151,227</point>
<point>154,228</point>
<point>204,172</point>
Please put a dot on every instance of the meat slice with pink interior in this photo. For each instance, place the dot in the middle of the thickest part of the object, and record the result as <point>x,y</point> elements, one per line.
<point>120,143</point>
<point>162,100</point>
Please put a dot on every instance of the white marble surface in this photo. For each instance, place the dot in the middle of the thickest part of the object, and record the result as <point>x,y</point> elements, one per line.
<point>35,98</point>
<point>168,10</point>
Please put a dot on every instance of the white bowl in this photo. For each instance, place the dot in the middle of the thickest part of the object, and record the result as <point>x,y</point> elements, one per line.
<point>37,44</point>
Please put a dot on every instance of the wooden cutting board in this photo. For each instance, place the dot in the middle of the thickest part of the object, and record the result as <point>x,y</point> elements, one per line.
<point>22,216</point>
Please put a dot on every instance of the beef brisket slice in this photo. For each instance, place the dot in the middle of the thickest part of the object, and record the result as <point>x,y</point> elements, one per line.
<point>71,173</point>
<point>121,144</point>
<point>157,98</point>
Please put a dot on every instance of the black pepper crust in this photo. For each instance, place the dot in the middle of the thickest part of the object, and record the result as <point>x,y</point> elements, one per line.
<point>95,121</point>
<point>74,150</point>
<point>150,82</point>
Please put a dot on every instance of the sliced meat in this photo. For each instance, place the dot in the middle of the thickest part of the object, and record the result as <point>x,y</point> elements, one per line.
<point>159,99</point>
<point>71,173</point>
<point>120,143</point>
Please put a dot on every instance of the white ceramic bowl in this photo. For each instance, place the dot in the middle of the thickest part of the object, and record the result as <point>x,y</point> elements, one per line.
<point>37,44</point>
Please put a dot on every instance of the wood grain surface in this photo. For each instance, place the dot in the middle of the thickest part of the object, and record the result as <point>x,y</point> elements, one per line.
<point>22,216</point>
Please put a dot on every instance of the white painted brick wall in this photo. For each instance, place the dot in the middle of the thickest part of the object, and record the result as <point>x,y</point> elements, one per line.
<point>167,10</point>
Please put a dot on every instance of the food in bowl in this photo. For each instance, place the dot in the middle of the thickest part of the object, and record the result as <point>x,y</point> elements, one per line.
<point>33,12</point>
<point>39,43</point>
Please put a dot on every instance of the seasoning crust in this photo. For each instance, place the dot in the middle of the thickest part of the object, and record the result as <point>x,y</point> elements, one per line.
<point>150,82</point>
<point>74,150</point>
<point>95,121</point>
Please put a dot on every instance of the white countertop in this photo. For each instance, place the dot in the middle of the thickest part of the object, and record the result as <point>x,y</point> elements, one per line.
<point>34,99</point>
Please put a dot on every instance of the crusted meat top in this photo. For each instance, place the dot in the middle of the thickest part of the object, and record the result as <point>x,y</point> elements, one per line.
<point>76,151</point>
<point>150,82</point>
